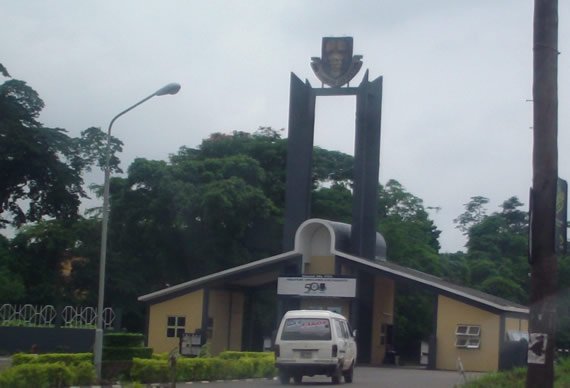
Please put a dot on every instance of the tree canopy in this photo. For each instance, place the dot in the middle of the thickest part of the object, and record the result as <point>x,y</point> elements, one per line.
<point>40,168</point>
<point>497,249</point>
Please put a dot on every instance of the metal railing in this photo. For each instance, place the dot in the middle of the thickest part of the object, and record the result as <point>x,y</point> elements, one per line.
<point>48,316</point>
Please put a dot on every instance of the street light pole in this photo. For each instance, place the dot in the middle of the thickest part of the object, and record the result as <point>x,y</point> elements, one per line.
<point>172,88</point>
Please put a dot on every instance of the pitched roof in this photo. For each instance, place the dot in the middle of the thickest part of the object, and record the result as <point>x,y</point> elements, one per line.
<point>439,284</point>
<point>394,270</point>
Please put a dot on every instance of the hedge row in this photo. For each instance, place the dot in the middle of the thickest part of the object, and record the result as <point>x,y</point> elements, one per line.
<point>124,340</point>
<point>198,369</point>
<point>235,355</point>
<point>49,358</point>
<point>56,374</point>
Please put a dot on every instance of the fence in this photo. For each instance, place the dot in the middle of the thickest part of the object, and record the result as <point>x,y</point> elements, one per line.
<point>28,327</point>
<point>50,316</point>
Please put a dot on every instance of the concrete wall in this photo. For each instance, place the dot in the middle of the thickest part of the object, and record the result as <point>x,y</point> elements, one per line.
<point>383,313</point>
<point>226,311</point>
<point>46,339</point>
<point>189,306</point>
<point>451,313</point>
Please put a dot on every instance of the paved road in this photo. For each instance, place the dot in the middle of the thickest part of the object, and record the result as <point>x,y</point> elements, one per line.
<point>363,377</point>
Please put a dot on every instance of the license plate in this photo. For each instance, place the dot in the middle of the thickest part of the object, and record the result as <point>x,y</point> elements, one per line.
<point>306,354</point>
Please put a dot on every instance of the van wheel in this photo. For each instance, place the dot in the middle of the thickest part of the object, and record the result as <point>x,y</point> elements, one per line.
<point>284,378</point>
<point>336,376</point>
<point>349,374</point>
<point>298,379</point>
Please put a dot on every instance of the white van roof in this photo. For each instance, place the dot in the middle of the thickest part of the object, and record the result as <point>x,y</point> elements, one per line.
<point>312,314</point>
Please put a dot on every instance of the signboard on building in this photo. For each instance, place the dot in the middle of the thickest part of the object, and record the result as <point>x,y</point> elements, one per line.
<point>317,286</point>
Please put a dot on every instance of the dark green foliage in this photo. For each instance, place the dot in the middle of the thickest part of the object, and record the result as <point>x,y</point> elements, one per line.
<point>40,251</point>
<point>232,366</point>
<point>128,340</point>
<point>11,283</point>
<point>124,347</point>
<point>47,375</point>
<point>503,287</point>
<point>334,202</point>
<point>48,358</point>
<point>84,374</point>
<point>455,267</point>
<point>497,249</point>
<point>40,168</point>
<point>517,377</point>
<point>474,213</point>
<point>147,371</point>
<point>235,355</point>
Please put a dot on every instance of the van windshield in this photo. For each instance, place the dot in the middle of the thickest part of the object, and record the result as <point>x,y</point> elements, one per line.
<point>300,329</point>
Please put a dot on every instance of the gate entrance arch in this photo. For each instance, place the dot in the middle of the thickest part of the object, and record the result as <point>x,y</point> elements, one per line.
<point>336,68</point>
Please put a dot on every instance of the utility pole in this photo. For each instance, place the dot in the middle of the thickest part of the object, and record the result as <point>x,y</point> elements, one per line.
<point>542,324</point>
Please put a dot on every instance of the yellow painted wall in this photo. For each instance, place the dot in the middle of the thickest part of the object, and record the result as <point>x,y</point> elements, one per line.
<point>383,313</point>
<point>347,270</point>
<point>516,324</point>
<point>189,306</point>
<point>320,265</point>
<point>451,313</point>
<point>226,310</point>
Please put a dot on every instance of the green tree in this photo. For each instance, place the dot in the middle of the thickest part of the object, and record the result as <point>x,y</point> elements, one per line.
<point>474,213</point>
<point>497,248</point>
<point>12,288</point>
<point>40,168</point>
<point>333,203</point>
<point>47,256</point>
<point>412,237</point>
<point>455,267</point>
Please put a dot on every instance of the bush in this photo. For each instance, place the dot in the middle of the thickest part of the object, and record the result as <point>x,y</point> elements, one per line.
<point>234,355</point>
<point>149,371</point>
<point>83,373</point>
<point>123,340</point>
<point>37,375</point>
<point>48,358</point>
<point>198,369</point>
<point>160,356</point>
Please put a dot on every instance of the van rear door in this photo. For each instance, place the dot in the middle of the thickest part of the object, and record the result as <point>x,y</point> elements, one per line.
<point>305,339</point>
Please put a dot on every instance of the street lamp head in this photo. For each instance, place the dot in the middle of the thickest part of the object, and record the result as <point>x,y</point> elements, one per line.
<point>172,88</point>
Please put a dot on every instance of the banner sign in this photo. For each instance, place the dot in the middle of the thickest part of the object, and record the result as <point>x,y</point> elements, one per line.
<point>317,286</point>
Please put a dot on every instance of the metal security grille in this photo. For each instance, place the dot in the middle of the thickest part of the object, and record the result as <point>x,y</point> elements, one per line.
<point>48,315</point>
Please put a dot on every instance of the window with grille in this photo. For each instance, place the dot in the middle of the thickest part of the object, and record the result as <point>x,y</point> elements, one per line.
<point>175,326</point>
<point>468,336</point>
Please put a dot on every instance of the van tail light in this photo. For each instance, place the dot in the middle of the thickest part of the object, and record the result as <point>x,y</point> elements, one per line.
<point>276,350</point>
<point>334,351</point>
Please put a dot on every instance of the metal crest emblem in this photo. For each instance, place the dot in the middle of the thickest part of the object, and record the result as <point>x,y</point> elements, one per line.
<point>337,66</point>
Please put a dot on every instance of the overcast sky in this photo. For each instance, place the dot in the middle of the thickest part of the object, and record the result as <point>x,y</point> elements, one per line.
<point>457,79</point>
